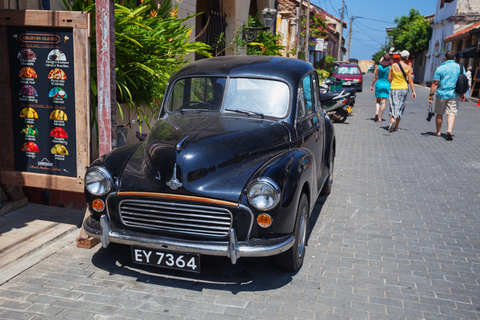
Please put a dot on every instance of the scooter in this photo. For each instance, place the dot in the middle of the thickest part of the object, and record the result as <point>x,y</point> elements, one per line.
<point>337,103</point>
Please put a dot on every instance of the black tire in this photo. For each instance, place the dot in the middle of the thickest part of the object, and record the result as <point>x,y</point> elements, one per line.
<point>340,115</point>
<point>327,186</point>
<point>292,260</point>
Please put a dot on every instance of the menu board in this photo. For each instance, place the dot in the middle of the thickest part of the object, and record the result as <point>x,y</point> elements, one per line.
<point>41,65</point>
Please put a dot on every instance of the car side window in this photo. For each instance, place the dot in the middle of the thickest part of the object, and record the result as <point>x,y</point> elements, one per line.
<point>305,98</point>
<point>315,93</point>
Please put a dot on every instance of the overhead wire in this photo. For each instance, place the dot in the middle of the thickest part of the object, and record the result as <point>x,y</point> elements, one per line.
<point>373,28</point>
<point>355,23</point>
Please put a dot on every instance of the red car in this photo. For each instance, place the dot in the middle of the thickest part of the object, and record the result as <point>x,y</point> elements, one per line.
<point>349,74</point>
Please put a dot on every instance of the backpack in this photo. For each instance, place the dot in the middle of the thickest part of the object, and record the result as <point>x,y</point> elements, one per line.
<point>462,82</point>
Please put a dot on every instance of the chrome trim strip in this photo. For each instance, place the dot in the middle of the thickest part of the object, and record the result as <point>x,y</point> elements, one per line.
<point>105,230</point>
<point>252,218</point>
<point>231,248</point>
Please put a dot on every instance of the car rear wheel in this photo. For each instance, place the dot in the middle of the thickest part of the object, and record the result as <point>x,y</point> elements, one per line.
<point>327,186</point>
<point>292,260</point>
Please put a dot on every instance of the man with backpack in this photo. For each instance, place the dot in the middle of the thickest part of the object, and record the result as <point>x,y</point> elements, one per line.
<point>449,83</point>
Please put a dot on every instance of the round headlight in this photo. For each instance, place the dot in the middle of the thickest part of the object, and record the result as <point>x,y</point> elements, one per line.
<point>263,194</point>
<point>98,181</point>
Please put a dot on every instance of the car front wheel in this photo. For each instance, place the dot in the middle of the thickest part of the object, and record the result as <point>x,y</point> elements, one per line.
<point>292,260</point>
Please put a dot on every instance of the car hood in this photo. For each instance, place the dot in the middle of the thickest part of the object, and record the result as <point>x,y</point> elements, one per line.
<point>204,155</point>
<point>347,76</point>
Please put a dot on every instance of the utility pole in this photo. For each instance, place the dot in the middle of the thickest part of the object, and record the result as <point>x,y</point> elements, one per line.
<point>299,27</point>
<point>339,53</point>
<point>307,32</point>
<point>349,36</point>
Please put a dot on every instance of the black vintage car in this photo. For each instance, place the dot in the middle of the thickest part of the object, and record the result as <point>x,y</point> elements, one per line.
<point>232,167</point>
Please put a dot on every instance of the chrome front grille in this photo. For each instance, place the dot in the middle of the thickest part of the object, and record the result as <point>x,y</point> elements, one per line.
<point>177,218</point>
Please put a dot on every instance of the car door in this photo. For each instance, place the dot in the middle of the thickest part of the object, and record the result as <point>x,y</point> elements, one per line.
<point>310,122</point>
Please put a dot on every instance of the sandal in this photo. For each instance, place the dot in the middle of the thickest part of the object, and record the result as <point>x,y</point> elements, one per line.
<point>449,136</point>
<point>392,126</point>
<point>376,117</point>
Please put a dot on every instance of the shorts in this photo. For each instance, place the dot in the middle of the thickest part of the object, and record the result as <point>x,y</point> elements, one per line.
<point>448,106</point>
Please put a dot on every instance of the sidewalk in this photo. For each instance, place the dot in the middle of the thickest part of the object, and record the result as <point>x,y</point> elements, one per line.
<point>27,231</point>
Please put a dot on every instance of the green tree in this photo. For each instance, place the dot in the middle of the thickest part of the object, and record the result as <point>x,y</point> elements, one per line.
<point>412,33</point>
<point>378,55</point>
<point>325,67</point>
<point>151,43</point>
<point>265,43</point>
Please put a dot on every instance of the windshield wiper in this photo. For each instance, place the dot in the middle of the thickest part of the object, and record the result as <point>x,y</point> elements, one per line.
<point>194,110</point>
<point>249,113</point>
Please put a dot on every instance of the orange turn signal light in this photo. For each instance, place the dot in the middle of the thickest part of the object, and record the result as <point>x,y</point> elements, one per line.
<point>264,220</point>
<point>98,205</point>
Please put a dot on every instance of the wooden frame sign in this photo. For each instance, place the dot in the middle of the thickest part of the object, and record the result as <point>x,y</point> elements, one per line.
<point>44,105</point>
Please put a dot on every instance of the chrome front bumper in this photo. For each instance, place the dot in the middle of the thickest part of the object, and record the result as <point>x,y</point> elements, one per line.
<point>232,248</point>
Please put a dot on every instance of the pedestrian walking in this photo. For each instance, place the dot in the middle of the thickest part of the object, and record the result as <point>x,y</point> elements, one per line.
<point>381,85</point>
<point>446,99</point>
<point>398,75</point>
<point>469,77</point>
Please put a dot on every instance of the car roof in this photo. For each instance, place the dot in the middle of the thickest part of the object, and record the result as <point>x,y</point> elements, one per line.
<point>348,65</point>
<point>286,69</point>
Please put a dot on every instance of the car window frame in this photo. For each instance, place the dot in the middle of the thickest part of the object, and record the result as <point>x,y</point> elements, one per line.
<point>167,97</point>
<point>316,105</point>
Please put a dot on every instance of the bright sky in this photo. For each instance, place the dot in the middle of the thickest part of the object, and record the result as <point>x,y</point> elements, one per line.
<point>370,18</point>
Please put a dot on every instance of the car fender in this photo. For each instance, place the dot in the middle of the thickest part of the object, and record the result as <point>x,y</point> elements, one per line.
<point>114,163</point>
<point>294,173</point>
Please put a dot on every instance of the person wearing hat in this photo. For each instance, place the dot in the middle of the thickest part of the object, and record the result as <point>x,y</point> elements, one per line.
<point>469,77</point>
<point>382,86</point>
<point>400,76</point>
<point>444,83</point>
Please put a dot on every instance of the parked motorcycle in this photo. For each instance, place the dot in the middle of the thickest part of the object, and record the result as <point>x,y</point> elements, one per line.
<point>337,103</point>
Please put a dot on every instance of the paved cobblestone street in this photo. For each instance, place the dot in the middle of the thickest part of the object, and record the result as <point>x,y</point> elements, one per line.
<point>398,238</point>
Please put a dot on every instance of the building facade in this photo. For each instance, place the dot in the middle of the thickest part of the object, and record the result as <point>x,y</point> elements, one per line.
<point>451,16</point>
<point>287,26</point>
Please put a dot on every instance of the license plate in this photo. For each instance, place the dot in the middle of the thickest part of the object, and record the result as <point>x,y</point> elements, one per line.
<point>347,83</point>
<point>166,259</point>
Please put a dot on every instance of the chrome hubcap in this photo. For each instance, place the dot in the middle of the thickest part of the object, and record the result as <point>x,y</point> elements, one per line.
<point>302,233</point>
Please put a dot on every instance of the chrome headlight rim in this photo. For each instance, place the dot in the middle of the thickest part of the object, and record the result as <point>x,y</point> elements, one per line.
<point>276,192</point>
<point>107,178</point>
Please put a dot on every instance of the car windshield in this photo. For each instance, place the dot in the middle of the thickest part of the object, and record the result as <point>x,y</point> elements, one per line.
<point>260,97</point>
<point>347,70</point>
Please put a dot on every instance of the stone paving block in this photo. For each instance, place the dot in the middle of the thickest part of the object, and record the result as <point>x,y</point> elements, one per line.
<point>215,316</point>
<point>15,305</point>
<point>187,313</point>
<point>59,284</point>
<point>45,309</point>
<point>65,294</point>
<point>132,313</point>
<point>74,314</point>
<point>71,304</point>
<point>56,276</point>
<point>101,308</point>
<point>17,315</point>
<point>13,295</point>
<point>89,297</point>
<point>41,299</point>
